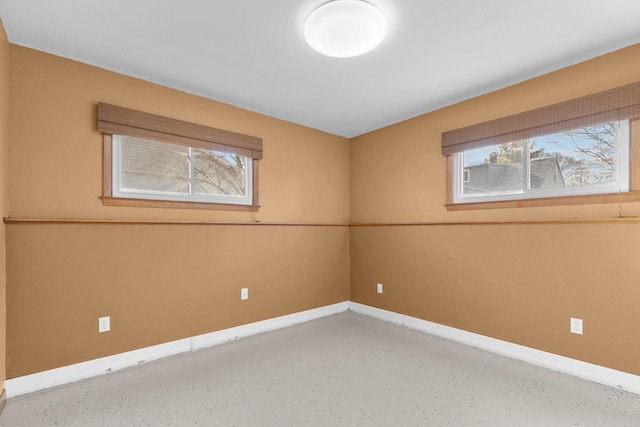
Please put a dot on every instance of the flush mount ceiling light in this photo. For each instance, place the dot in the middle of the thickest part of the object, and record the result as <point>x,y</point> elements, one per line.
<point>345,28</point>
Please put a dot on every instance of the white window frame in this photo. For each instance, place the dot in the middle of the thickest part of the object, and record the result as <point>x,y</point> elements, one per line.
<point>118,191</point>
<point>621,184</point>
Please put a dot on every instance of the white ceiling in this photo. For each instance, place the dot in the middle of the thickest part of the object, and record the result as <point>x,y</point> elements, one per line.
<point>252,54</point>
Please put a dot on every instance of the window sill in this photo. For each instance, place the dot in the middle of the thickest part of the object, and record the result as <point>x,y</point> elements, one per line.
<point>147,203</point>
<point>631,196</point>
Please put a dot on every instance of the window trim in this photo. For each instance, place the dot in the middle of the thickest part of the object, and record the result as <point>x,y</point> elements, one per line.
<point>633,195</point>
<point>108,198</point>
<point>161,195</point>
<point>115,120</point>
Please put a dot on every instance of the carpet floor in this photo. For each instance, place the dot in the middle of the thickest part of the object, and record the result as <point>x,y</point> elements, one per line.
<point>345,370</point>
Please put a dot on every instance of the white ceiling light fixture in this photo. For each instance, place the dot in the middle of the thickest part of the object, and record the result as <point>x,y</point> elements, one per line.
<point>345,28</point>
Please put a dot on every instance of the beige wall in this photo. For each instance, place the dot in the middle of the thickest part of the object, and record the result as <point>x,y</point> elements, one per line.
<point>520,283</point>
<point>4,186</point>
<point>407,183</point>
<point>56,145</point>
<point>157,282</point>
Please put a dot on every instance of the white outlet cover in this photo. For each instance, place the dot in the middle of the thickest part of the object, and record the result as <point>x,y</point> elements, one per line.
<point>379,288</point>
<point>244,293</point>
<point>104,324</point>
<point>576,326</point>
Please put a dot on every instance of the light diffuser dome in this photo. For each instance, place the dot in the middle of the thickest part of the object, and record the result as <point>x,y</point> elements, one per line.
<point>345,28</point>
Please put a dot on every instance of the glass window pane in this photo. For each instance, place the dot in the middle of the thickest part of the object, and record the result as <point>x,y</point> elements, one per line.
<point>589,160</point>
<point>154,166</point>
<point>493,170</point>
<point>220,173</point>
<point>577,157</point>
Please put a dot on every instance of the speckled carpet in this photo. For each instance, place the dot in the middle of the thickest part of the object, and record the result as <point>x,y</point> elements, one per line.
<point>347,370</point>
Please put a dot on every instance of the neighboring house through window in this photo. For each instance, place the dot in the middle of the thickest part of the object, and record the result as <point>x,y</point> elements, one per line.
<point>487,177</point>
<point>588,160</point>
<point>580,148</point>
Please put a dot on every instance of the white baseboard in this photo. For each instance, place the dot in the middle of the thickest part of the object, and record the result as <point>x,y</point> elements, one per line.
<point>596,373</point>
<point>378,313</point>
<point>67,374</point>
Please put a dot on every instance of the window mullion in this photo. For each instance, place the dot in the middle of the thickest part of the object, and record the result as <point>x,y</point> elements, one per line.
<point>526,166</point>
<point>191,171</point>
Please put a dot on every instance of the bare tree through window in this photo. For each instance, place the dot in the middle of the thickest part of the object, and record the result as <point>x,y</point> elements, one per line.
<point>219,173</point>
<point>587,155</point>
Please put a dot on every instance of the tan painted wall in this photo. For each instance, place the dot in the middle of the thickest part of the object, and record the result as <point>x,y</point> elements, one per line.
<point>520,283</point>
<point>4,186</point>
<point>407,183</point>
<point>157,282</point>
<point>56,145</point>
<point>515,282</point>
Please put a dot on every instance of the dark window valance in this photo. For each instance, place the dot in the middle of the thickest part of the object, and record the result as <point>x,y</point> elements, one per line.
<point>611,105</point>
<point>124,121</point>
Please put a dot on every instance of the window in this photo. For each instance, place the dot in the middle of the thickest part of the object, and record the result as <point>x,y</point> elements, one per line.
<point>588,160</point>
<point>156,161</point>
<point>149,169</point>
<point>580,151</point>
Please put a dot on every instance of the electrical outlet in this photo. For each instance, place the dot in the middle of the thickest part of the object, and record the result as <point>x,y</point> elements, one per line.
<point>104,324</point>
<point>244,293</point>
<point>379,288</point>
<point>576,326</point>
